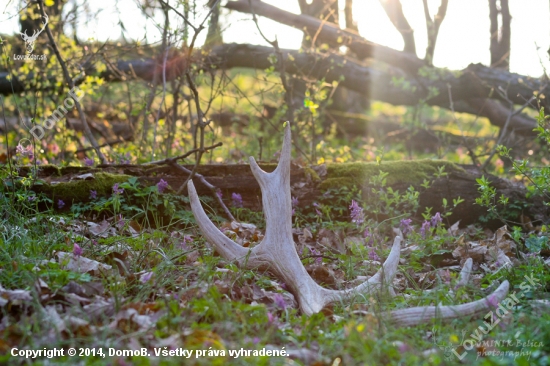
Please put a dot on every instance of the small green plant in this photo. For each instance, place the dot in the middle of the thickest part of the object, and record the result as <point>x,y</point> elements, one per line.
<point>538,177</point>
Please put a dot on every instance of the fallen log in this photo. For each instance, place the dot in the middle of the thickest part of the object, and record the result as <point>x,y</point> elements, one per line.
<point>308,184</point>
<point>517,88</point>
<point>388,84</point>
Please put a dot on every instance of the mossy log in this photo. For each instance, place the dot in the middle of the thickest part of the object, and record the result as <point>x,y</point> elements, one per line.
<point>308,184</point>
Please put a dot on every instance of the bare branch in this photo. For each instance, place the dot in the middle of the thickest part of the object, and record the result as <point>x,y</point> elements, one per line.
<point>432,26</point>
<point>394,10</point>
<point>71,85</point>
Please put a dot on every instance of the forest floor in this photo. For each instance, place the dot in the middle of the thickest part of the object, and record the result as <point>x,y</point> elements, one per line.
<point>127,278</point>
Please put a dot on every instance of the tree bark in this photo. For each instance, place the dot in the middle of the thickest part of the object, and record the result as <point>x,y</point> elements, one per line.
<point>394,10</point>
<point>500,38</point>
<point>331,34</point>
<point>351,24</point>
<point>432,25</point>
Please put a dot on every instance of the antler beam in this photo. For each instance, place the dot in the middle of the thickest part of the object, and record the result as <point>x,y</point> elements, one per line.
<point>277,252</point>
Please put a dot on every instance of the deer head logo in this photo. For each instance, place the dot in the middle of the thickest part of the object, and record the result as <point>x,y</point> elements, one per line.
<point>30,40</point>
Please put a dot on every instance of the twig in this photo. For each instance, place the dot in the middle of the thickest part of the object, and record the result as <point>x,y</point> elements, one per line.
<point>71,85</point>
<point>176,158</point>
<point>8,151</point>
<point>200,124</point>
<point>206,183</point>
<point>108,143</point>
<point>282,73</point>
<point>161,102</point>
<point>452,106</point>
<point>318,256</point>
<point>180,14</point>
<point>505,127</point>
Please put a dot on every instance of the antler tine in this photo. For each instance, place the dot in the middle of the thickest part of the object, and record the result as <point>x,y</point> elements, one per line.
<point>283,167</point>
<point>384,276</point>
<point>226,247</point>
<point>423,314</point>
<point>464,277</point>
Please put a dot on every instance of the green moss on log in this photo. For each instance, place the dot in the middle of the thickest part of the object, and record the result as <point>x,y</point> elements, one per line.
<point>312,174</point>
<point>358,174</point>
<point>79,190</point>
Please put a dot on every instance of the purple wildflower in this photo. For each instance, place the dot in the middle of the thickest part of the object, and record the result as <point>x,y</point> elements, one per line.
<point>237,200</point>
<point>25,151</point>
<point>256,340</point>
<point>88,161</point>
<point>425,228</point>
<point>162,185</point>
<point>369,239</point>
<point>93,194</point>
<point>20,149</point>
<point>60,203</point>
<point>294,201</point>
<point>279,301</point>
<point>146,277</point>
<point>31,198</point>
<point>403,347</point>
<point>373,256</point>
<point>357,215</point>
<point>186,239</point>
<point>436,220</point>
<point>405,226</point>
<point>127,160</point>
<point>270,318</point>
<point>316,205</point>
<point>120,223</point>
<point>77,250</point>
<point>445,276</point>
<point>318,259</point>
<point>117,190</point>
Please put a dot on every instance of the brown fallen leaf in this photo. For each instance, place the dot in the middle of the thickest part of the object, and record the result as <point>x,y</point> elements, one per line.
<point>465,250</point>
<point>130,320</point>
<point>14,297</point>
<point>86,289</point>
<point>100,308</point>
<point>103,229</point>
<point>81,264</point>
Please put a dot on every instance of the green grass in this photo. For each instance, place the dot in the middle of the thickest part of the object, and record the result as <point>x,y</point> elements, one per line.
<point>195,300</point>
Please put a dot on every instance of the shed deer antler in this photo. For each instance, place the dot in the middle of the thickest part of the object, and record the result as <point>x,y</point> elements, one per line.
<point>277,253</point>
<point>30,40</point>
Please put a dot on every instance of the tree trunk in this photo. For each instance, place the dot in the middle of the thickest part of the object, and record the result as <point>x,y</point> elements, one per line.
<point>500,38</point>
<point>394,10</point>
